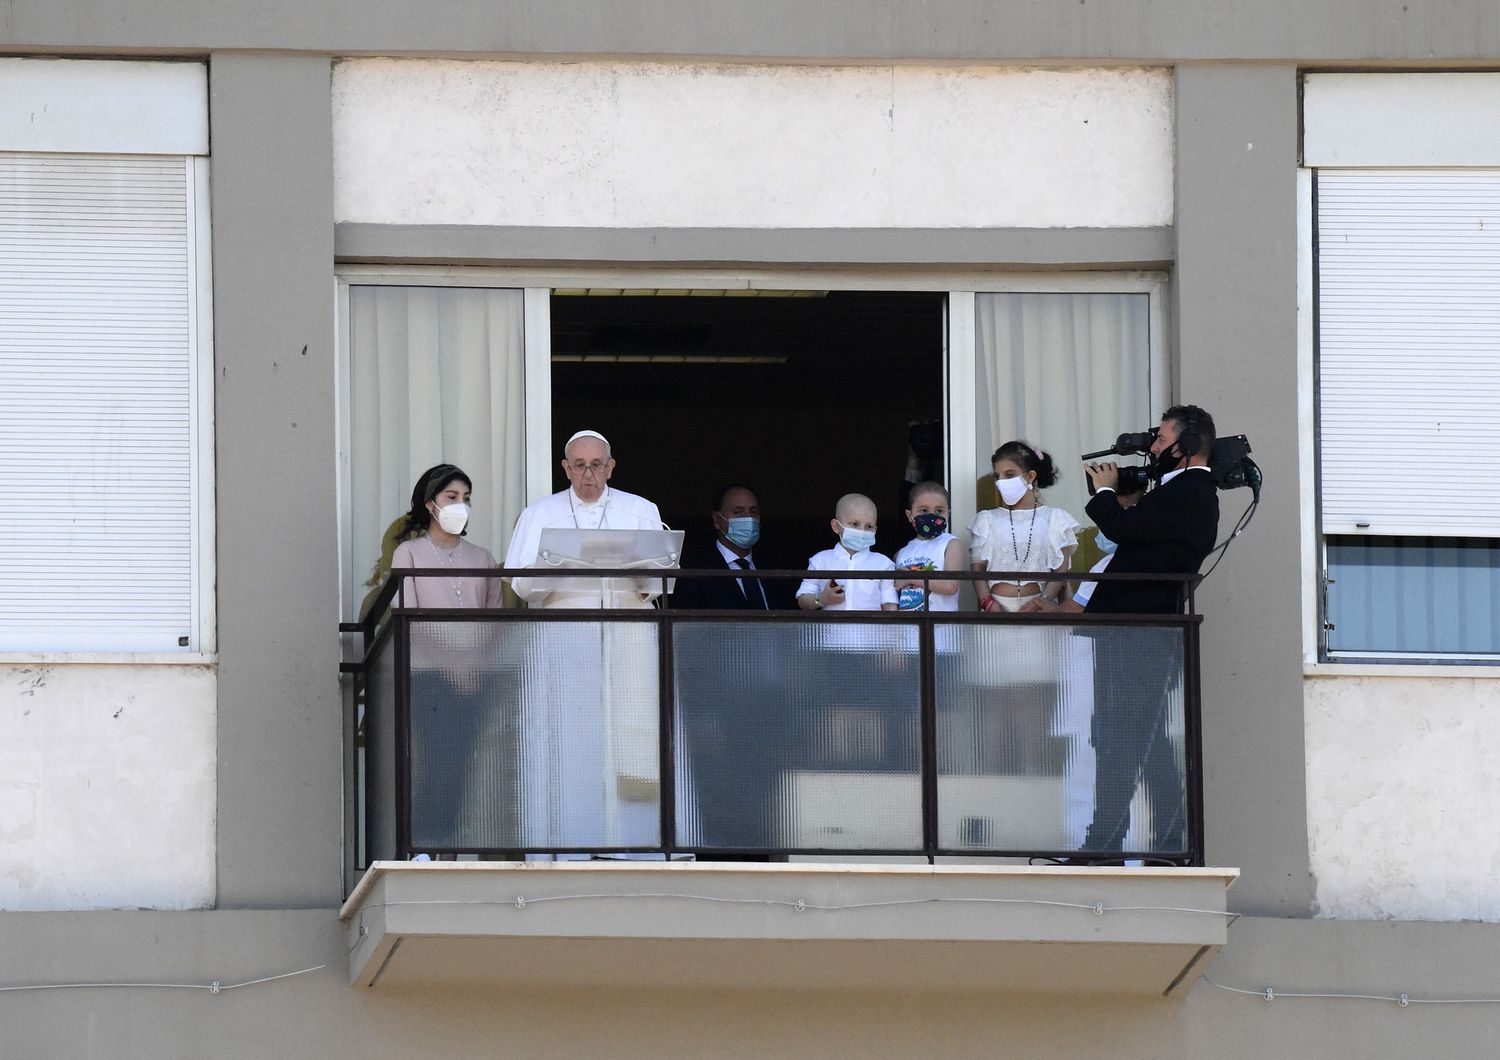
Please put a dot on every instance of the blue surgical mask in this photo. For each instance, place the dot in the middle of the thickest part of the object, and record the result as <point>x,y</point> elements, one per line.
<point>1105,544</point>
<point>856,540</point>
<point>743,530</point>
<point>929,525</point>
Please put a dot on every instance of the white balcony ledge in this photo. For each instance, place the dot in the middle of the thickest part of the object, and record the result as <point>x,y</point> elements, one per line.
<point>945,928</point>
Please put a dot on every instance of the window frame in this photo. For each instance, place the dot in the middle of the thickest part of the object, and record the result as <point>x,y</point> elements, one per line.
<point>1317,658</point>
<point>538,283</point>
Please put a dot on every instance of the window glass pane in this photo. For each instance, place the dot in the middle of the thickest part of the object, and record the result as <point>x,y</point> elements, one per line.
<point>435,376</point>
<point>1428,596</point>
<point>1066,372</point>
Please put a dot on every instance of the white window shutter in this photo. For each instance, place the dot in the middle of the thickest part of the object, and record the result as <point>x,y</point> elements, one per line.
<point>1409,351</point>
<point>97,355</point>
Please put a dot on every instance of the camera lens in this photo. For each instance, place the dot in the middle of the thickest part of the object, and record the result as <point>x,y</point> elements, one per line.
<point>1132,480</point>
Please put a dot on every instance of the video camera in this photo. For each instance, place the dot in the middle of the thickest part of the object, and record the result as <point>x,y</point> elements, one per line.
<point>1229,462</point>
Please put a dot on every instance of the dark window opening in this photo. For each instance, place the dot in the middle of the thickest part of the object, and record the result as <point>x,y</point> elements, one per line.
<point>803,396</point>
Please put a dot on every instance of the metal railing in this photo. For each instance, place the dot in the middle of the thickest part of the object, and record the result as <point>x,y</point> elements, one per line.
<point>661,731</point>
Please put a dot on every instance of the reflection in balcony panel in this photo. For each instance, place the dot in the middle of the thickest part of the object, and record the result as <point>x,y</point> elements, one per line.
<point>801,736</point>
<point>534,735</point>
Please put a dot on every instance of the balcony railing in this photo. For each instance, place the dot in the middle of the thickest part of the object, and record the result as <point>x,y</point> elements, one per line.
<point>661,731</point>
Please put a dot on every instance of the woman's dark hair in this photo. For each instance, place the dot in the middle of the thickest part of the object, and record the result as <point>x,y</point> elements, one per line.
<point>1029,458</point>
<point>429,486</point>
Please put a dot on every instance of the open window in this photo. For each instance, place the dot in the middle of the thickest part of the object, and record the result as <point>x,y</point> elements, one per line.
<point>804,391</point>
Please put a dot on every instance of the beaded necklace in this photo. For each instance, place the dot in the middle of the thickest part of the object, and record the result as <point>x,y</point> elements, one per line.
<point>1015,548</point>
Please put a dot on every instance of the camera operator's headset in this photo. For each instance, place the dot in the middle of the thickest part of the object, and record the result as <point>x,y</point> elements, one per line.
<point>1190,441</point>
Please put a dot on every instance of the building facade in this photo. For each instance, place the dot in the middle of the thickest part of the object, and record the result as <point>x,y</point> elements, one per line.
<point>249,217</point>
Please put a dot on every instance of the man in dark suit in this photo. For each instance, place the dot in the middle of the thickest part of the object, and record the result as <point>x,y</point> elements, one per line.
<point>1171,529</point>
<point>728,696</point>
<point>736,521</point>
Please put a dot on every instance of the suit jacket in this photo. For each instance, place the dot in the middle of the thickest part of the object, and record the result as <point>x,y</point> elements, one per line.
<point>724,594</point>
<point>1172,529</point>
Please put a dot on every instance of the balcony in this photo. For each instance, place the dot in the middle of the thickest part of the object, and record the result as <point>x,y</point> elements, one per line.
<point>850,752</point>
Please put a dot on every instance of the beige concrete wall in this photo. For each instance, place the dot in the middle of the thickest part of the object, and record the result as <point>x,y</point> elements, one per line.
<point>1402,785</point>
<point>688,145</point>
<point>106,786</point>
<point>318,1015</point>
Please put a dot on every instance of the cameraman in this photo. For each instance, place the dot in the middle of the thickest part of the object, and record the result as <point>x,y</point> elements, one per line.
<point>1170,530</point>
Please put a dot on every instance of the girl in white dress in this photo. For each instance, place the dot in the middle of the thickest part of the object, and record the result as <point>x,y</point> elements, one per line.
<point>1022,534</point>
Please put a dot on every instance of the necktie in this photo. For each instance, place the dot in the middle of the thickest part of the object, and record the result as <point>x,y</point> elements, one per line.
<point>756,598</point>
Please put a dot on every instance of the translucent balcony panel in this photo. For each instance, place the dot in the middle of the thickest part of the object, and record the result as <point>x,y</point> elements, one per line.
<point>380,754</point>
<point>1052,738</point>
<point>797,736</point>
<point>534,735</point>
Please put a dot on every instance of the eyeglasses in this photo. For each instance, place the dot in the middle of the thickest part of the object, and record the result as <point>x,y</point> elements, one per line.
<point>593,470</point>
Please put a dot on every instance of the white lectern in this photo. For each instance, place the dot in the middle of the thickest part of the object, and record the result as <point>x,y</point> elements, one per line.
<point>574,549</point>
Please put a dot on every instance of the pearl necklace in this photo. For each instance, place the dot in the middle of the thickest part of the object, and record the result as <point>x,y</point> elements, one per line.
<point>448,561</point>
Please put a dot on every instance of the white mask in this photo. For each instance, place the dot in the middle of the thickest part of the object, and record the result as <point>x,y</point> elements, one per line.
<point>855,539</point>
<point>1012,489</point>
<point>453,518</point>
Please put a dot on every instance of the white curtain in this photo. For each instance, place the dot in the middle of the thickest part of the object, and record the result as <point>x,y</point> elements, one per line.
<point>435,377</point>
<point>1065,372</point>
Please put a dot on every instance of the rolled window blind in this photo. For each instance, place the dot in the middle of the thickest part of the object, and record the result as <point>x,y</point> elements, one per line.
<point>97,347</point>
<point>1409,351</point>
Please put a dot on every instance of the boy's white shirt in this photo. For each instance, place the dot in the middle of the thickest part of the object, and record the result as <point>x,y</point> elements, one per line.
<point>1085,591</point>
<point>859,594</point>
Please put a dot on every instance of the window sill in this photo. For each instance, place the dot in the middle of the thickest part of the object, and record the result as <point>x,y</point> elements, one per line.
<point>108,658</point>
<point>1438,670</point>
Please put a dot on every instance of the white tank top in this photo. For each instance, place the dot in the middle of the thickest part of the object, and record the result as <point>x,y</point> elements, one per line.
<point>924,554</point>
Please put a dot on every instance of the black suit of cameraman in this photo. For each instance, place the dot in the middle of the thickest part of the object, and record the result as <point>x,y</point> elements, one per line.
<point>1171,530</point>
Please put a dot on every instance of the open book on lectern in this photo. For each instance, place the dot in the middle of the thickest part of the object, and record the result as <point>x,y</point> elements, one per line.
<point>576,549</point>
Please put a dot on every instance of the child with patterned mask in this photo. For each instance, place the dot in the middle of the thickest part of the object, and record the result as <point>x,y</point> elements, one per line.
<point>934,548</point>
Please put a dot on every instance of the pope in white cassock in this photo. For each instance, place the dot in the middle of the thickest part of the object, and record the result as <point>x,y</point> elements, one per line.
<point>589,503</point>
<point>589,709</point>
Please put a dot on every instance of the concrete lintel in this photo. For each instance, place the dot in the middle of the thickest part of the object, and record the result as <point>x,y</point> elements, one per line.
<point>1010,248</point>
<point>1424,31</point>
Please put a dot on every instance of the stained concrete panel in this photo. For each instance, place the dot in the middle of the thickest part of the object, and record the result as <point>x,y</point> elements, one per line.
<point>106,787</point>
<point>683,145</point>
<point>1401,782</point>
